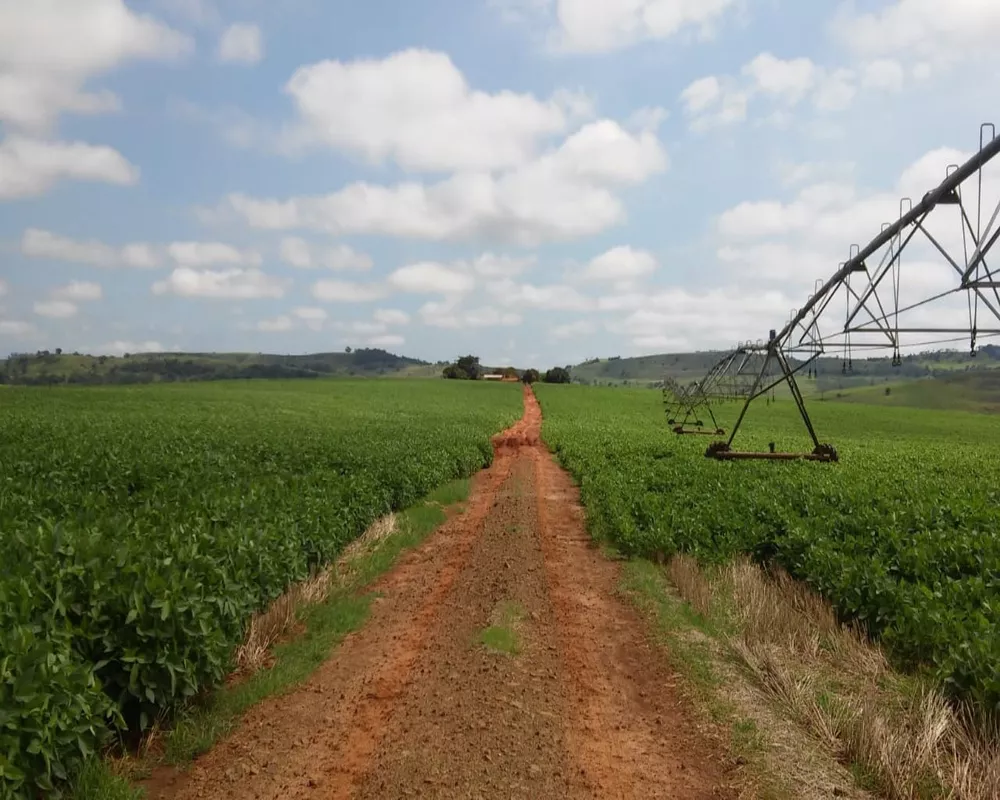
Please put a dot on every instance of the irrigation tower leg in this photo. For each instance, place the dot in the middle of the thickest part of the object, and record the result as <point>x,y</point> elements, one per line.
<point>797,395</point>
<point>750,397</point>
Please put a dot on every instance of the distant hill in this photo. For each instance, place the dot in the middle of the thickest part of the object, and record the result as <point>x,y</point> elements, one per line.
<point>683,367</point>
<point>687,367</point>
<point>976,390</point>
<point>45,368</point>
<point>946,379</point>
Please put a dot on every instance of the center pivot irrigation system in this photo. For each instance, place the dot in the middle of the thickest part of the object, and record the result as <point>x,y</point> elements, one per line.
<point>946,238</point>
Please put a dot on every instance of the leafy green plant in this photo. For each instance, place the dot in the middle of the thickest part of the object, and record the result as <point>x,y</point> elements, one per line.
<point>142,527</point>
<point>900,535</point>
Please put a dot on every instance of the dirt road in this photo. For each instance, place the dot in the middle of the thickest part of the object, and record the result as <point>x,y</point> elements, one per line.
<point>575,702</point>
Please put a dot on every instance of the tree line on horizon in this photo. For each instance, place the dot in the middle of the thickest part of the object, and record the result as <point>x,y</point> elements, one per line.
<point>468,368</point>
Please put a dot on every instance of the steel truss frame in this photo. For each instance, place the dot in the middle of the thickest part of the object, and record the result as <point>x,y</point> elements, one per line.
<point>873,308</point>
<point>684,404</point>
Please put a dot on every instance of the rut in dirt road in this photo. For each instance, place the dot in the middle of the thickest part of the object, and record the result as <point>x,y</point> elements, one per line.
<point>414,706</point>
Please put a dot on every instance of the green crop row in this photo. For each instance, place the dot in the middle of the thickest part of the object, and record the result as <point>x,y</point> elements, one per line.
<point>901,534</point>
<point>141,527</point>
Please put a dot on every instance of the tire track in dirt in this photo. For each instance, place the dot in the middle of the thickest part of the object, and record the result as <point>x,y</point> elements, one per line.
<point>628,729</point>
<point>481,722</point>
<point>413,706</point>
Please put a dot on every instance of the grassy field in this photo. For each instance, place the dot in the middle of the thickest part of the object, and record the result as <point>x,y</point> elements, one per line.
<point>900,535</point>
<point>142,526</point>
<point>961,391</point>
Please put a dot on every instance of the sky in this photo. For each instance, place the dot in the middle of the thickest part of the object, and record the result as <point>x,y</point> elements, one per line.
<point>537,182</point>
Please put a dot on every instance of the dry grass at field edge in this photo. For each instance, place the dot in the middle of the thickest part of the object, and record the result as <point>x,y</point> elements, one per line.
<point>283,616</point>
<point>900,738</point>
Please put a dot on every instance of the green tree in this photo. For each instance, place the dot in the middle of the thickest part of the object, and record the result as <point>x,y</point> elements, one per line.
<point>557,375</point>
<point>466,368</point>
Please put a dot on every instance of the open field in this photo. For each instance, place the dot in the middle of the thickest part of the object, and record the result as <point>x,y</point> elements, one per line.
<point>900,535</point>
<point>149,524</point>
<point>959,391</point>
<point>142,527</point>
<point>497,662</point>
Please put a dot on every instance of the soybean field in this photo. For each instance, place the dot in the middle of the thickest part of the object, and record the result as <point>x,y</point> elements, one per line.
<point>901,535</point>
<point>141,527</point>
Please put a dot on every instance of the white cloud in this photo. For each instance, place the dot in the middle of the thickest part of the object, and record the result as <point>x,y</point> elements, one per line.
<point>490,265</point>
<point>553,297</point>
<point>206,254</point>
<point>343,257</point>
<point>142,256</point>
<point>49,49</point>
<point>701,94</point>
<point>921,30</point>
<point>121,347</point>
<point>649,118</point>
<point>431,278</point>
<point>793,174</point>
<point>56,309</point>
<point>235,283</point>
<point>29,167</point>
<point>626,300</point>
<point>310,313</point>
<point>777,261</point>
<point>835,211</point>
<point>602,25</point>
<point>333,291</point>
<point>417,109</point>
<point>788,80</point>
<point>16,328</point>
<point>660,344</point>
<point>279,324</point>
<point>883,73</point>
<point>308,316</point>
<point>573,330</point>
<point>312,317</point>
<point>796,243</point>
<point>836,90</point>
<point>447,314</point>
<point>38,243</point>
<point>361,327</point>
<point>387,340</point>
<point>622,263</point>
<point>716,101</point>
<point>295,251</point>
<point>299,253</point>
<point>391,316</point>
<point>678,320</point>
<point>708,103</point>
<point>79,291</point>
<point>567,193</point>
<point>241,43</point>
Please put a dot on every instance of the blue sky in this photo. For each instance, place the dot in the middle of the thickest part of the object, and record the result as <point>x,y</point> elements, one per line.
<point>534,181</point>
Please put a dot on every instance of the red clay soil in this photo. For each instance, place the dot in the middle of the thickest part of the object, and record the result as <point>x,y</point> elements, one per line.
<point>413,705</point>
